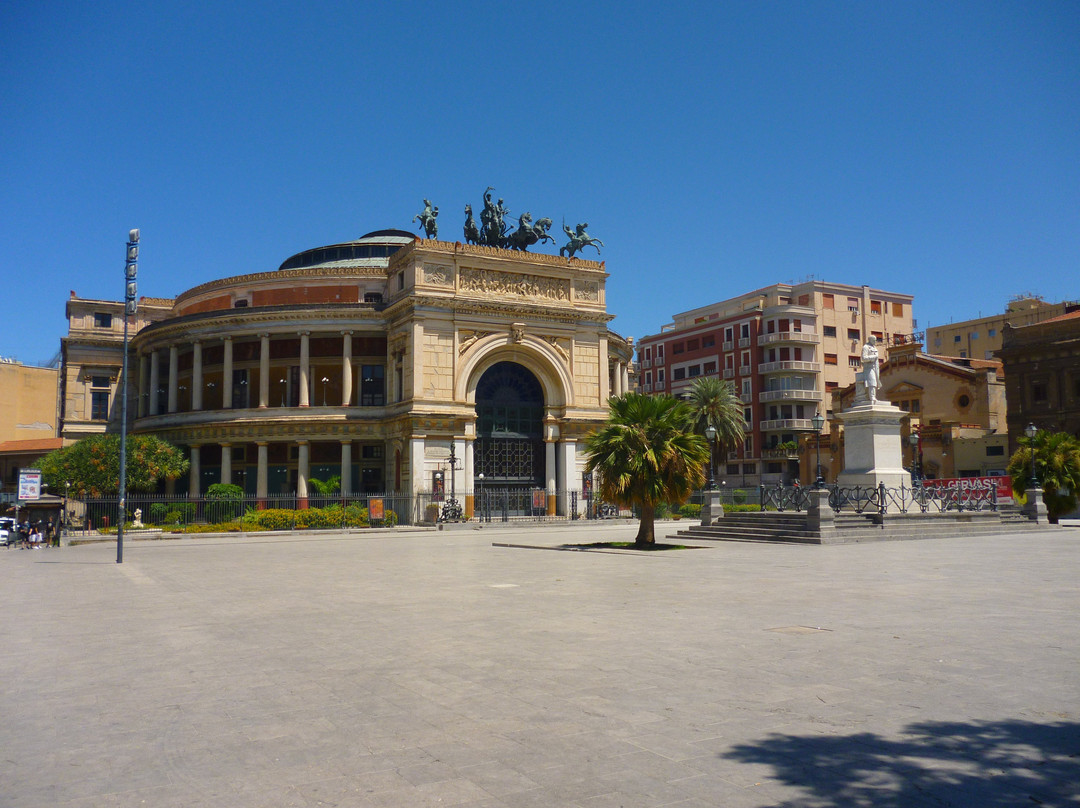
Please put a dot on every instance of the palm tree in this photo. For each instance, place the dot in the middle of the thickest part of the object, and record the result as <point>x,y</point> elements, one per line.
<point>715,403</point>
<point>1057,470</point>
<point>646,456</point>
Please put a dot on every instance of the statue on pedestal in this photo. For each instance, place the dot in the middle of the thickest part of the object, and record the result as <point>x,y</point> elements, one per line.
<point>871,370</point>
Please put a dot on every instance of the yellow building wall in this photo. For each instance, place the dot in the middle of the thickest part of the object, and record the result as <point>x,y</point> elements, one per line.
<point>27,402</point>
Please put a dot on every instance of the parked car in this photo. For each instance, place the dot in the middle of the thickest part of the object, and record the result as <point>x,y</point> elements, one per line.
<point>8,534</point>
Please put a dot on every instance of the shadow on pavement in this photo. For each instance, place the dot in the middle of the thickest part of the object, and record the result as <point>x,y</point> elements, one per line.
<point>994,763</point>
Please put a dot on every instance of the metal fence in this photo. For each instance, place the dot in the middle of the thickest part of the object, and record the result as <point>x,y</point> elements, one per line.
<point>881,499</point>
<point>289,512</point>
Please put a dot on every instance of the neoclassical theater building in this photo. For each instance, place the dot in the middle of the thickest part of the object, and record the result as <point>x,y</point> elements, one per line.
<point>378,360</point>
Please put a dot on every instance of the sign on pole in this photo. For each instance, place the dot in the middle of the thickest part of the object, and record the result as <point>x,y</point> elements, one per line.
<point>29,484</point>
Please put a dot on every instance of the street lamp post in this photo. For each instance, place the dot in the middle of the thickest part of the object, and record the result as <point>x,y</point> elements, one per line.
<point>915,439</point>
<point>710,436</point>
<point>131,306</point>
<point>818,421</point>
<point>480,491</point>
<point>1031,432</point>
<point>324,383</point>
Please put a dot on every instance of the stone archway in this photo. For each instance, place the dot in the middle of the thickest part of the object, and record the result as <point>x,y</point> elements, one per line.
<point>509,427</point>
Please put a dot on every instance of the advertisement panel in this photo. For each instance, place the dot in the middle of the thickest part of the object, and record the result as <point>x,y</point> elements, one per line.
<point>1002,484</point>
<point>375,510</point>
<point>29,484</point>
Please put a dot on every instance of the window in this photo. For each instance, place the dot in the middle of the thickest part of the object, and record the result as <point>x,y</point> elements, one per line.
<point>854,362</point>
<point>744,331</point>
<point>897,309</point>
<point>677,348</point>
<point>745,359</point>
<point>732,469</point>
<point>709,341</point>
<point>829,330</point>
<point>964,401</point>
<point>747,387</point>
<point>830,386</point>
<point>710,367</point>
<point>963,354</point>
<point>99,405</point>
<point>648,377</point>
<point>372,385</point>
<point>729,334</point>
<point>853,333</point>
<point>878,336</point>
<point>853,304</point>
<point>102,319</point>
<point>804,300</point>
<point>875,307</point>
<point>828,302</point>
<point>374,452</point>
<point>373,297</point>
<point>660,351</point>
<point>1038,392</point>
<point>748,451</point>
<point>240,304</point>
<point>677,374</point>
<point>956,338</point>
<point>974,334</point>
<point>99,381</point>
<point>937,342</point>
<point>796,326</point>
<point>992,332</point>
<point>995,451</point>
<point>660,376</point>
<point>915,406</point>
<point>749,468</point>
<point>694,370</point>
<point>830,359</point>
<point>748,415</point>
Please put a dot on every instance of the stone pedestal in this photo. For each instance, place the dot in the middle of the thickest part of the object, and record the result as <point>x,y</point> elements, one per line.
<point>1036,507</point>
<point>872,453</point>
<point>712,510</point>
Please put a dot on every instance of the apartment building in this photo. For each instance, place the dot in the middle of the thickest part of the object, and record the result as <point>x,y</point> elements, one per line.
<point>981,338</point>
<point>786,348</point>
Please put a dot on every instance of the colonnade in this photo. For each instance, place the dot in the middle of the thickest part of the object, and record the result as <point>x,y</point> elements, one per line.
<point>150,374</point>
<point>620,378</point>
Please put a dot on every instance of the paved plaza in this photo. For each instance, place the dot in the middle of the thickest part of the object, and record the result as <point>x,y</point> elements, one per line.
<point>425,668</point>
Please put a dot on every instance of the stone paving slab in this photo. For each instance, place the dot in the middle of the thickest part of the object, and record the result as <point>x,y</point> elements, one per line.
<point>434,668</point>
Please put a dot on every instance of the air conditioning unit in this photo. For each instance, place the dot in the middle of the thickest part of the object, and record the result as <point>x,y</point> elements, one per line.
<point>732,455</point>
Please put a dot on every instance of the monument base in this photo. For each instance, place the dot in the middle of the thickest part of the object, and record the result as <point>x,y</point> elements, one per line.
<point>872,453</point>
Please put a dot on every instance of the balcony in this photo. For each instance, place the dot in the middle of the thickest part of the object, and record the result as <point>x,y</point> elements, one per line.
<point>646,363</point>
<point>789,395</point>
<point>729,373</point>
<point>787,336</point>
<point>774,367</point>
<point>787,425</point>
<point>781,453</point>
<point>746,370</point>
<point>746,398</point>
<point>728,345</point>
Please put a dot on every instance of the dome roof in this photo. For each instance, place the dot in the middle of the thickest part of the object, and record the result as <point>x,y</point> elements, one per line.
<point>371,249</point>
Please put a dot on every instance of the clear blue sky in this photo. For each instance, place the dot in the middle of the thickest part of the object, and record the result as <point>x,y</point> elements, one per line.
<point>923,147</point>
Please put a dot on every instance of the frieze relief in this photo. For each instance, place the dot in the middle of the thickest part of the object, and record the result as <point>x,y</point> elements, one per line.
<point>490,282</point>
<point>438,275</point>
<point>560,346</point>
<point>469,338</point>
<point>587,291</point>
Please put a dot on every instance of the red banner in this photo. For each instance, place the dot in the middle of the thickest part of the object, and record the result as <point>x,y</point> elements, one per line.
<point>1003,485</point>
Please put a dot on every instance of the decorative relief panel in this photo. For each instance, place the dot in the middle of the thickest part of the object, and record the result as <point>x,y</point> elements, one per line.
<point>561,346</point>
<point>587,291</point>
<point>489,282</point>
<point>467,338</point>
<point>438,275</point>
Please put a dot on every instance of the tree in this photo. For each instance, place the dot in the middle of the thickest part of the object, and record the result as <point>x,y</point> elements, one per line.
<point>92,465</point>
<point>1057,470</point>
<point>646,455</point>
<point>715,403</point>
<point>331,486</point>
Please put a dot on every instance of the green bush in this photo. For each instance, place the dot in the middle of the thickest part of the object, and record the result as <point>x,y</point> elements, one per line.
<point>738,496</point>
<point>225,503</point>
<point>691,510</point>
<point>269,519</point>
<point>742,508</point>
<point>661,511</point>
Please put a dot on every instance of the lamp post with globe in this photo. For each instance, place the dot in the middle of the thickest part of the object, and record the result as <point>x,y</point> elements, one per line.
<point>818,421</point>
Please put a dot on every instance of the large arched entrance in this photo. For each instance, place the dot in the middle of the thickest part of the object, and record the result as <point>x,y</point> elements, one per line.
<point>509,437</point>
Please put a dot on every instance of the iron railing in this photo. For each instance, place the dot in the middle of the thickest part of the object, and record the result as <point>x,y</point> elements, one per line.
<point>882,499</point>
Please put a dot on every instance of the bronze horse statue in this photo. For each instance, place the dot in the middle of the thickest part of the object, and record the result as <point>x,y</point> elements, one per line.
<point>528,233</point>
<point>472,232</point>
<point>428,221</point>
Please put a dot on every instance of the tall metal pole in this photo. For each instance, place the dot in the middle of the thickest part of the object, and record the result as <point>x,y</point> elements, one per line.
<point>130,307</point>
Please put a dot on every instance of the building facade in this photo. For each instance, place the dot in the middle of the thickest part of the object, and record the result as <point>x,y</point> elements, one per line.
<point>981,338</point>
<point>786,348</point>
<point>393,363</point>
<point>1042,376</point>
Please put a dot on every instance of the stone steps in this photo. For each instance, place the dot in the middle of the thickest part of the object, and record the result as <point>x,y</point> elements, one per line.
<point>848,528</point>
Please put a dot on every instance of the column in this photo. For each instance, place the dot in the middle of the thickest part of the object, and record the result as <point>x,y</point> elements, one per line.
<point>346,370</point>
<point>470,477</point>
<point>143,380</point>
<point>194,475</point>
<point>416,465</point>
<point>261,473</point>
<point>264,371</point>
<point>625,378</point>
<point>226,464</point>
<point>302,469</point>
<point>551,475</point>
<point>155,381</point>
<point>174,371</point>
<point>346,467</point>
<point>226,375</point>
<point>567,473</point>
<point>196,376</point>
<point>305,369</point>
<point>605,388</point>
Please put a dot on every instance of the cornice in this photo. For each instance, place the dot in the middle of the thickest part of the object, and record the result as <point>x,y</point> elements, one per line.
<point>287,276</point>
<point>458,248</point>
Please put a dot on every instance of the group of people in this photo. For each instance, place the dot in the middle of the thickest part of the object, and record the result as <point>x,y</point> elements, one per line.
<point>35,536</point>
